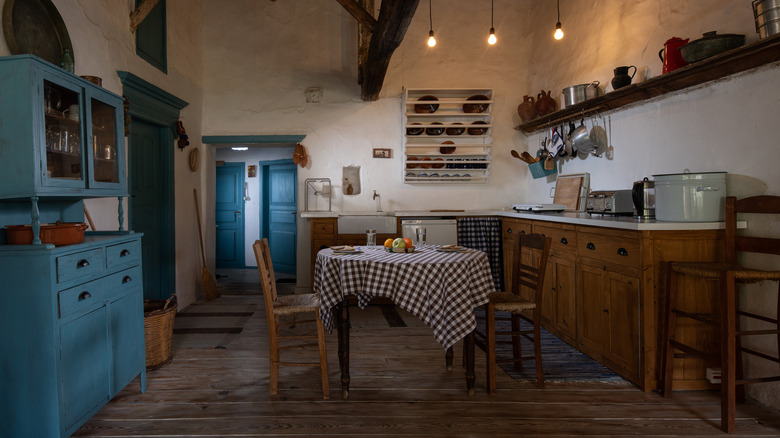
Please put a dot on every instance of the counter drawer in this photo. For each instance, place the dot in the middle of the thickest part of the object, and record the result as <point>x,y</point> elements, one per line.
<point>564,241</point>
<point>93,293</point>
<point>321,228</point>
<point>511,228</point>
<point>123,254</point>
<point>611,249</point>
<point>85,264</point>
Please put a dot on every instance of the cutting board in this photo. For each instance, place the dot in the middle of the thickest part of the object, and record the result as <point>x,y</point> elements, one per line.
<point>567,191</point>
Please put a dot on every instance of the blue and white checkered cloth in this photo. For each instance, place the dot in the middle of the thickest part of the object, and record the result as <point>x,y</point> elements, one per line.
<point>484,234</point>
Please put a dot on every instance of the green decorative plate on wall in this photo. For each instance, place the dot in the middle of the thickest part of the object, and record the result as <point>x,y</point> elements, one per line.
<point>36,27</point>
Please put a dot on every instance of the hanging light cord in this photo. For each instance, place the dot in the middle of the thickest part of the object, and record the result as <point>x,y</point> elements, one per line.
<point>430,13</point>
<point>491,14</point>
<point>559,11</point>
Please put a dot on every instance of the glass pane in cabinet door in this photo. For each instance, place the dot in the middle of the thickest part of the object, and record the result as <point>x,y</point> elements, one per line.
<point>63,134</point>
<point>104,147</point>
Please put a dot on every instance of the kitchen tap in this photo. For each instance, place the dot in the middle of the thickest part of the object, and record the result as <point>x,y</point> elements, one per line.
<point>378,201</point>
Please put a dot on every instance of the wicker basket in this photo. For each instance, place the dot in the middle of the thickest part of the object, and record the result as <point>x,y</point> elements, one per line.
<point>158,331</point>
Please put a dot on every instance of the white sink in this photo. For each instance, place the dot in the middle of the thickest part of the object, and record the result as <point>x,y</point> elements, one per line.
<point>359,222</point>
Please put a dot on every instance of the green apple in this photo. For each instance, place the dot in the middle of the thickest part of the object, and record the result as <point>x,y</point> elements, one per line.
<point>399,243</point>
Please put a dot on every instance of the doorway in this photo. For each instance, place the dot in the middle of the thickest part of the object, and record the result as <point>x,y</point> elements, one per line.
<point>153,112</point>
<point>229,215</point>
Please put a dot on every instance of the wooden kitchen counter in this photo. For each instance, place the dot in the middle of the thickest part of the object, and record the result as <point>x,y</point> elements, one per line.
<point>605,291</point>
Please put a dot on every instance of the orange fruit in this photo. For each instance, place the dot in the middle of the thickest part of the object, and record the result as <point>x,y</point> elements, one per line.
<point>389,243</point>
<point>408,241</point>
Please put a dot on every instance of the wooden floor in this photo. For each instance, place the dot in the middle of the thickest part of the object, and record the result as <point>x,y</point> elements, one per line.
<point>217,386</point>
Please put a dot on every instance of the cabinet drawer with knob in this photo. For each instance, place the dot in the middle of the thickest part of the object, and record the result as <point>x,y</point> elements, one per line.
<point>94,293</point>
<point>564,239</point>
<point>511,228</point>
<point>123,254</point>
<point>611,249</point>
<point>81,265</point>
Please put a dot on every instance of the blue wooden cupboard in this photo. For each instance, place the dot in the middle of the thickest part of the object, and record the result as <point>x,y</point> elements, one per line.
<point>71,316</point>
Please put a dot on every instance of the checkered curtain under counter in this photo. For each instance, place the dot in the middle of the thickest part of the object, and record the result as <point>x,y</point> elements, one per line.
<point>484,234</point>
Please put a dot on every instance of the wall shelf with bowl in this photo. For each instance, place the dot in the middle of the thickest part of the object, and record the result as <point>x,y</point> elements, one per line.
<point>447,135</point>
<point>750,56</point>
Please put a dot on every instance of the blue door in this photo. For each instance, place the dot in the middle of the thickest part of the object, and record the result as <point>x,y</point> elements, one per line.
<point>230,215</point>
<point>280,213</point>
<point>151,205</point>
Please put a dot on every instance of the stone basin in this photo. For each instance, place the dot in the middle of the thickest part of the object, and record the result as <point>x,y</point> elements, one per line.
<point>357,222</point>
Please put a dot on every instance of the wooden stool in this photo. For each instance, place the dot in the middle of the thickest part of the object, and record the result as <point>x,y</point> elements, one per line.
<point>729,275</point>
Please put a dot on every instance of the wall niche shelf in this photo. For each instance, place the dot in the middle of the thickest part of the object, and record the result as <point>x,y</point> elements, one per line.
<point>448,144</point>
<point>734,61</point>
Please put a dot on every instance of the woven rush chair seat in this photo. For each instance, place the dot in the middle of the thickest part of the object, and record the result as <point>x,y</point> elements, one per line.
<point>509,302</point>
<point>294,304</point>
<point>729,318</point>
<point>523,301</point>
<point>277,307</point>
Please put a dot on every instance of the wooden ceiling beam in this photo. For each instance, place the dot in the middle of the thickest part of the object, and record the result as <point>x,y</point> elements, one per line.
<point>394,19</point>
<point>360,13</point>
<point>140,13</point>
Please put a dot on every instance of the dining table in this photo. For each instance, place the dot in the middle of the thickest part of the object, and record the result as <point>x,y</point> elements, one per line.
<point>440,285</point>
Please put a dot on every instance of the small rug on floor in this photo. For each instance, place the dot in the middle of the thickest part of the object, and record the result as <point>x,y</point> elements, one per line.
<point>560,361</point>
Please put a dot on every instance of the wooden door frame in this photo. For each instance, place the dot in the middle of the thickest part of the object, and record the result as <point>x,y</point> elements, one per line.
<point>151,104</point>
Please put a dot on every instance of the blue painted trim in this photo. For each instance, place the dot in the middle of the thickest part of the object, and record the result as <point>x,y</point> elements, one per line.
<point>211,139</point>
<point>156,51</point>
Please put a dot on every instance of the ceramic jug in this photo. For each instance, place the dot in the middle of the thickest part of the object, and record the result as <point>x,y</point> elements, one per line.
<point>544,103</point>
<point>671,56</point>
<point>527,109</point>
<point>622,78</point>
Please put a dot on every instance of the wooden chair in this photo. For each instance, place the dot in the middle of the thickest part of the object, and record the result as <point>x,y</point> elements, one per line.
<point>729,275</point>
<point>525,273</point>
<point>288,305</point>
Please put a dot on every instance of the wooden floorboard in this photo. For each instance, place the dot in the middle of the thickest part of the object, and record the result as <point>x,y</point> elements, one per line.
<point>400,388</point>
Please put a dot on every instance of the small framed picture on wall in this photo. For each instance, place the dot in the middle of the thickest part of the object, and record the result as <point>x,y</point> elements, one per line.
<point>382,153</point>
<point>251,171</point>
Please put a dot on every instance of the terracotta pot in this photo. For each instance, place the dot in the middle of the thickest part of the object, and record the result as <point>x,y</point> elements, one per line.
<point>58,234</point>
<point>527,109</point>
<point>544,104</point>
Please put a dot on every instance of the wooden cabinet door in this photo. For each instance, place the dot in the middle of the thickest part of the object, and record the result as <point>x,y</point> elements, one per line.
<point>84,365</point>
<point>622,296</point>
<point>511,227</point>
<point>591,309</point>
<point>565,298</point>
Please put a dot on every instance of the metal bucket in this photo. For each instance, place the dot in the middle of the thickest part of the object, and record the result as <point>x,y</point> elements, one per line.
<point>767,16</point>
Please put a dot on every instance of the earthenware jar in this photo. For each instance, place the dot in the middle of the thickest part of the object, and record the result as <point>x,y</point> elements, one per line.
<point>527,109</point>
<point>544,104</point>
<point>622,78</point>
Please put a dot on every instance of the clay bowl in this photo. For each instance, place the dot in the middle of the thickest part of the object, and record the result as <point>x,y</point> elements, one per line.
<point>447,149</point>
<point>478,131</point>
<point>438,163</point>
<point>455,131</point>
<point>476,107</point>
<point>435,131</point>
<point>414,131</point>
<point>425,165</point>
<point>427,108</point>
<point>412,165</point>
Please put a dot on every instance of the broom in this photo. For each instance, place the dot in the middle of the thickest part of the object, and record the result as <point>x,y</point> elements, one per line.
<point>206,280</point>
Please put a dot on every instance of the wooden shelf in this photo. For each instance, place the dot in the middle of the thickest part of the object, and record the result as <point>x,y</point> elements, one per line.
<point>728,63</point>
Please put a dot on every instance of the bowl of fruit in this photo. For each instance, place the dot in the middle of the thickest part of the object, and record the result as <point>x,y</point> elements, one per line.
<point>400,244</point>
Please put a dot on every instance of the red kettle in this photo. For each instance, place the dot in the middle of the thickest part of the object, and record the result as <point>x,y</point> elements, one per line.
<point>670,54</point>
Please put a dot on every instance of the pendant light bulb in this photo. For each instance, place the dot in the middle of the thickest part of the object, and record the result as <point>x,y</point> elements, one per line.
<point>492,38</point>
<point>558,35</point>
<point>431,39</point>
<point>558,31</point>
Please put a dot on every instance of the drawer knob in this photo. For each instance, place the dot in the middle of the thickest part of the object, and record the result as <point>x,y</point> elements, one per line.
<point>124,253</point>
<point>564,241</point>
<point>622,252</point>
<point>84,295</point>
<point>127,279</point>
<point>590,246</point>
<point>509,230</point>
<point>522,232</point>
<point>83,263</point>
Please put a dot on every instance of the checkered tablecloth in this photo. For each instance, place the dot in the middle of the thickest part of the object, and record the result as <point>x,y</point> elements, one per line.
<point>440,288</point>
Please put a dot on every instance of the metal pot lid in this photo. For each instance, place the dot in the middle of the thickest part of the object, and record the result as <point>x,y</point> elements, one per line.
<point>36,27</point>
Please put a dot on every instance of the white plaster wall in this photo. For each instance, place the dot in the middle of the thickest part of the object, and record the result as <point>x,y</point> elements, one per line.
<point>256,70</point>
<point>254,156</point>
<point>102,44</point>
